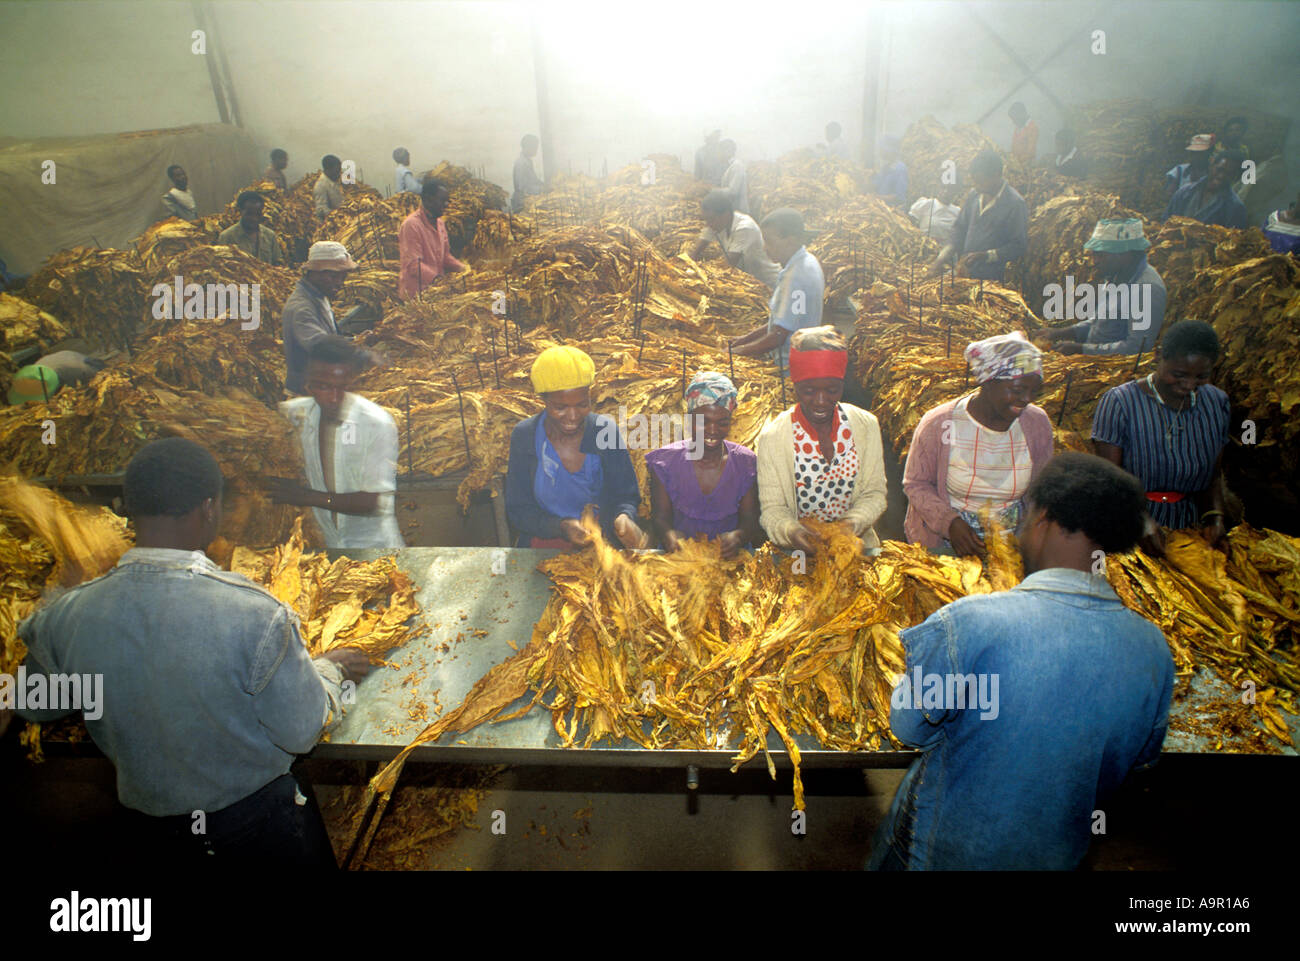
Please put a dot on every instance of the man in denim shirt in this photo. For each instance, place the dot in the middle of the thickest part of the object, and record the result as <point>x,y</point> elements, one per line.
<point>1065,691</point>
<point>208,691</point>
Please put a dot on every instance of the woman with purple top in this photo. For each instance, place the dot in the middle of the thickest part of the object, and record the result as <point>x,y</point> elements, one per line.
<point>705,486</point>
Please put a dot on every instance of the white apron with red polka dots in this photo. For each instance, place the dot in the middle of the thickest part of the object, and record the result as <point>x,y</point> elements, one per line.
<point>824,490</point>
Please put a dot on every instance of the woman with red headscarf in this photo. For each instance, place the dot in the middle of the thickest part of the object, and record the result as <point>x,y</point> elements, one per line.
<point>822,458</point>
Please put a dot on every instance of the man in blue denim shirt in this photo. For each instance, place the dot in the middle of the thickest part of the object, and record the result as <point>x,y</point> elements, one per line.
<point>208,691</point>
<point>1065,691</point>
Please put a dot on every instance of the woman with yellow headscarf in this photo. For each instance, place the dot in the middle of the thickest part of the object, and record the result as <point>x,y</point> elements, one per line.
<point>567,459</point>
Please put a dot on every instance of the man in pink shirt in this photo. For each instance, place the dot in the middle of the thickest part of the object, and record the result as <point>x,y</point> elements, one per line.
<point>422,242</point>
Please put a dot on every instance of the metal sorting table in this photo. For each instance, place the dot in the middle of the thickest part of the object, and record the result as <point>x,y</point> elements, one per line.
<point>459,594</point>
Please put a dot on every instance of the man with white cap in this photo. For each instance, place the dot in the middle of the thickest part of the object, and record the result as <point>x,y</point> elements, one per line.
<point>307,316</point>
<point>1130,296</point>
<point>1194,168</point>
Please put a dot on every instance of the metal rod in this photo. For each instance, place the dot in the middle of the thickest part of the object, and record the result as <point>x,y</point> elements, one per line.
<point>480,371</point>
<point>419,278</point>
<point>920,313</point>
<point>948,351</point>
<point>642,349</point>
<point>44,390</point>
<point>1065,395</point>
<point>495,369</point>
<point>979,298</point>
<point>683,371</point>
<point>731,363</point>
<point>469,460</point>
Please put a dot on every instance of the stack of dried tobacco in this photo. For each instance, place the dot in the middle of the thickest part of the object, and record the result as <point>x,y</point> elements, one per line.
<point>934,155</point>
<point>23,325</point>
<point>98,427</point>
<point>98,295</point>
<point>366,605</point>
<point>1186,252</point>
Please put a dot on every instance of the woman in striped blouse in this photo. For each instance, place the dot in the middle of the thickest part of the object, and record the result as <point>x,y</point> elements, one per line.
<point>1169,430</point>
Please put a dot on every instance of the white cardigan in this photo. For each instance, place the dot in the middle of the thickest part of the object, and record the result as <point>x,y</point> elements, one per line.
<point>776,493</point>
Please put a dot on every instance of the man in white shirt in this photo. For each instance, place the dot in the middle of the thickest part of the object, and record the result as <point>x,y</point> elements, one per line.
<point>800,287</point>
<point>327,194</point>
<point>179,202</point>
<point>737,234</point>
<point>403,177</point>
<point>734,179</point>
<point>349,447</point>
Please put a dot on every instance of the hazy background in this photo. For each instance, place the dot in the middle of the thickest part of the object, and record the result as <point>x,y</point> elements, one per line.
<point>457,80</point>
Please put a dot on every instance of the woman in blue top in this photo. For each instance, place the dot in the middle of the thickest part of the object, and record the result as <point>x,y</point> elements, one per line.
<point>1169,429</point>
<point>567,459</point>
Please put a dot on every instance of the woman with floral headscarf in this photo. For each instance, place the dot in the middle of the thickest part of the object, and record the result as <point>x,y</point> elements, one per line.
<point>704,485</point>
<point>979,451</point>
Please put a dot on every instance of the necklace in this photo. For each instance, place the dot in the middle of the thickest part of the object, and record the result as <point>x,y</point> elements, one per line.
<point>1173,423</point>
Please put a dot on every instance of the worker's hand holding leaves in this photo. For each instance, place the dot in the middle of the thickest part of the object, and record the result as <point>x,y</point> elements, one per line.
<point>672,541</point>
<point>965,542</point>
<point>629,532</point>
<point>1216,533</point>
<point>730,543</point>
<point>1153,539</point>
<point>804,540</point>
<point>1069,347</point>
<point>354,663</point>
<point>571,530</point>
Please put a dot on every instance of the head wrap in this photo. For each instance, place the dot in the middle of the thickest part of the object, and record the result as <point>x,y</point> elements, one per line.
<point>26,384</point>
<point>562,368</point>
<point>710,389</point>
<point>812,364</point>
<point>1003,357</point>
<point>1117,236</point>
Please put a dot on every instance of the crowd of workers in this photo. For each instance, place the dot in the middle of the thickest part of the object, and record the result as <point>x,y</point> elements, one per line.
<point>983,462</point>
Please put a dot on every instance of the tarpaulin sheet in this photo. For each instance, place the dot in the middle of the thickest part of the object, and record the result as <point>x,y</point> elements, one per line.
<point>109,188</point>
